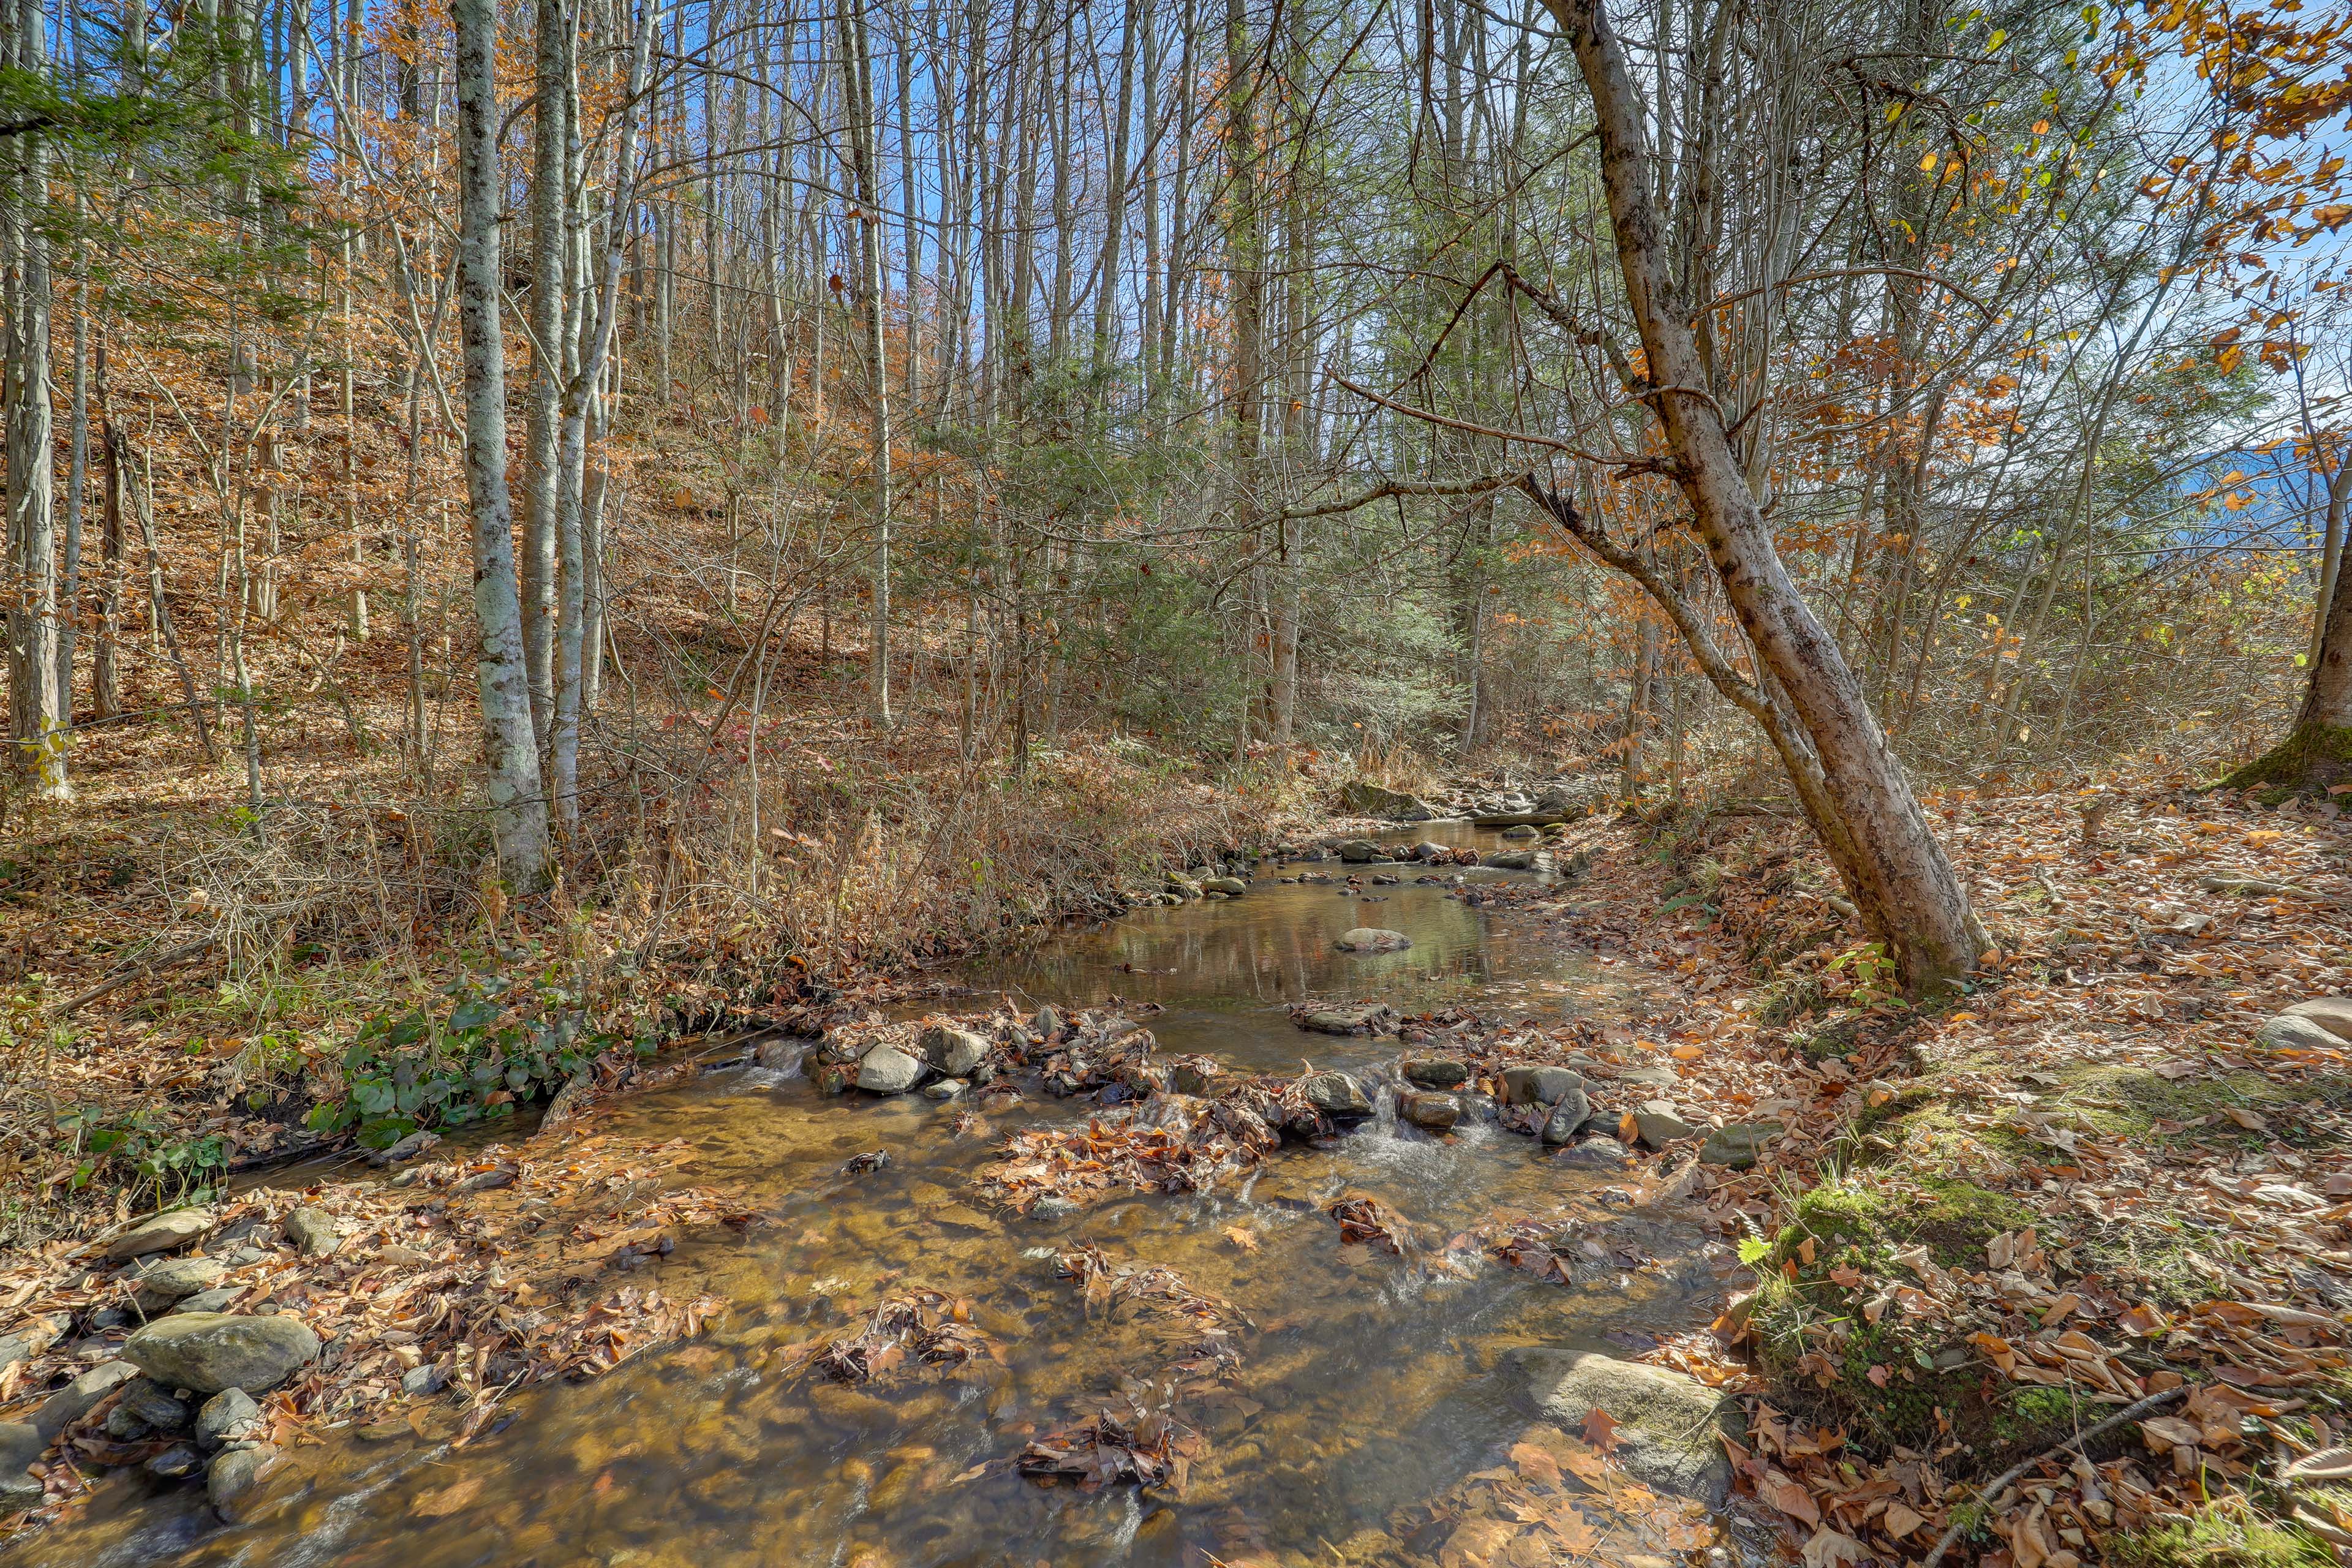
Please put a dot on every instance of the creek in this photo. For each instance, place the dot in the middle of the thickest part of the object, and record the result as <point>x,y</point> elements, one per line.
<point>1366,1386</point>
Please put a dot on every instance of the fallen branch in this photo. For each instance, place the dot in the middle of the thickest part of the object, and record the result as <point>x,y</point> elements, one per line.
<point>2129,1413</point>
<point>123,977</point>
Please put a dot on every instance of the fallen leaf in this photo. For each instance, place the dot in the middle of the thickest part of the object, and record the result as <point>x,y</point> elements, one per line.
<point>1790,1496</point>
<point>1600,1430</point>
<point>1243,1236</point>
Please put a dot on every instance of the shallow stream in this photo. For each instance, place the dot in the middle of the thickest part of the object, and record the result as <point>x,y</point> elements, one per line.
<point>1367,1385</point>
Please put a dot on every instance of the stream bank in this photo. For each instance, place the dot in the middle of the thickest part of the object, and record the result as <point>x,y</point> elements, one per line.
<point>1361,1394</point>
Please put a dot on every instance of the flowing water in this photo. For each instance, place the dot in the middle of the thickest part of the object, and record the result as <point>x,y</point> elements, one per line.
<point>1368,1384</point>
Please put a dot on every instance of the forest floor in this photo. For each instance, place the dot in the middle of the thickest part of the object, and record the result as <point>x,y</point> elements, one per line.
<point>2109,1179</point>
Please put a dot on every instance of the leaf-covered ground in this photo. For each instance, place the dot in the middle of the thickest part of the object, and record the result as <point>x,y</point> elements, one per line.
<point>2098,1183</point>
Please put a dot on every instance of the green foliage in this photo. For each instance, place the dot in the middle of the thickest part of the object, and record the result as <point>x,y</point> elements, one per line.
<point>138,1148</point>
<point>492,1043</point>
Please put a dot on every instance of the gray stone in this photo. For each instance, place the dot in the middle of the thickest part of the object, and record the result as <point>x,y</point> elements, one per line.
<point>1525,1083</point>
<point>233,1475</point>
<point>886,1069</point>
<point>408,1148</point>
<point>176,1463</point>
<point>2295,1032</point>
<point>1738,1144</point>
<point>2333,1013</point>
<point>1437,1072</point>
<point>1668,1425</point>
<point>20,1445</point>
<point>945,1088</point>
<point>1335,1094</point>
<point>1568,1112</point>
<point>1364,1020</point>
<point>1430,1109</point>
<point>226,1417</point>
<point>156,1289</point>
<point>1183,887</point>
<point>1650,1077</point>
<point>79,1398</point>
<point>1366,798</point>
<point>1599,1154</point>
<point>210,1300</point>
<point>952,1051</point>
<point>421,1381</point>
<point>1512,859</point>
<point>1045,1023</point>
<point>1194,1075</point>
<point>312,1232</point>
<point>1374,938</point>
<point>1657,1124</point>
<point>164,1233</point>
<point>1360,851</point>
<point>152,1405</point>
<point>1053,1207</point>
<point>1231,887</point>
<point>209,1351</point>
<point>31,1340</point>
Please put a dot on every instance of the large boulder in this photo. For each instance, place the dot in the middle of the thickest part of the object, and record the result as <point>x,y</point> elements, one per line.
<point>1528,1083</point>
<point>887,1069</point>
<point>1336,1094</point>
<point>1360,851</point>
<point>1374,938</point>
<point>1668,1425</point>
<point>1366,798</point>
<point>953,1051</point>
<point>1232,886</point>
<point>208,1352</point>
<point>2333,1013</point>
<point>164,1233</point>
<point>1512,859</point>
<point>1363,1018</point>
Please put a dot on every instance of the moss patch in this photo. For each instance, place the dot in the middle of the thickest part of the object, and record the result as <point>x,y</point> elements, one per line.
<point>1895,1379</point>
<point>2230,1534</point>
<point>2306,762</point>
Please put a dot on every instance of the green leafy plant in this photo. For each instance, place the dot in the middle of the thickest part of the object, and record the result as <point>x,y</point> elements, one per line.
<point>175,1170</point>
<point>490,1044</point>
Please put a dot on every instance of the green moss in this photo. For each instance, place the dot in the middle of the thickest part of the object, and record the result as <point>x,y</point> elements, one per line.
<point>2129,1102</point>
<point>2306,762</point>
<point>2229,1534</point>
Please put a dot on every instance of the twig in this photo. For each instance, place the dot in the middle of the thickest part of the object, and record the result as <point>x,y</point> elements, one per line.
<point>123,977</point>
<point>2129,1413</point>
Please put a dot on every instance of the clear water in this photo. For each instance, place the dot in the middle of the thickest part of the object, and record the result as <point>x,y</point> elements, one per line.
<point>1368,1384</point>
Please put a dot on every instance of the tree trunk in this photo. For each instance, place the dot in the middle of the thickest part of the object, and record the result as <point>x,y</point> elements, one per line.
<point>519,806</point>
<point>2318,749</point>
<point>549,253</point>
<point>857,66</point>
<point>37,718</point>
<point>1865,812</point>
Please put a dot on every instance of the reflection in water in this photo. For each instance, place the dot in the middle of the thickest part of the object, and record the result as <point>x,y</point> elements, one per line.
<point>1367,1385</point>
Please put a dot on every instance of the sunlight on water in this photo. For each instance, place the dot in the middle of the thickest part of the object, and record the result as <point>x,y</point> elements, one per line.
<point>1367,1384</point>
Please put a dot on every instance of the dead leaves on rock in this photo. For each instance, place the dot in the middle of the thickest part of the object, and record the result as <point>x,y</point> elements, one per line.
<point>919,1328</point>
